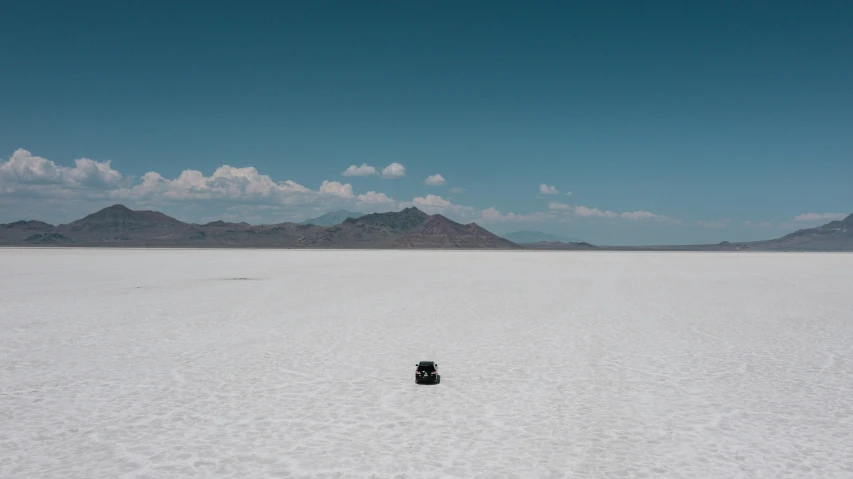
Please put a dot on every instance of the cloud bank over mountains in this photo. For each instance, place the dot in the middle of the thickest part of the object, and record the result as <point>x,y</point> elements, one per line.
<point>28,182</point>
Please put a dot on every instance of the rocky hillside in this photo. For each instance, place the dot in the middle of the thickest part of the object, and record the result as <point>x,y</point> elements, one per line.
<point>19,231</point>
<point>118,225</point>
<point>440,232</point>
<point>833,236</point>
<point>408,228</point>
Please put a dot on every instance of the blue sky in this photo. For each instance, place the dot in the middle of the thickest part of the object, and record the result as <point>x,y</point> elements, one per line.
<point>668,122</point>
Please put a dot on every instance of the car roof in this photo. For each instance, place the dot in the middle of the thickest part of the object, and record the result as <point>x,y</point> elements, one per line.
<point>427,363</point>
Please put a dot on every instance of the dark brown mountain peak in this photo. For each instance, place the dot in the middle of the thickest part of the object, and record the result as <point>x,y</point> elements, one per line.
<point>443,225</point>
<point>117,208</point>
<point>396,221</point>
<point>441,232</point>
<point>439,224</point>
<point>121,217</point>
<point>225,224</point>
<point>475,228</point>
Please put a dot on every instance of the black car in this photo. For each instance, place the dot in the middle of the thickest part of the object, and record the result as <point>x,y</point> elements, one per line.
<point>427,373</point>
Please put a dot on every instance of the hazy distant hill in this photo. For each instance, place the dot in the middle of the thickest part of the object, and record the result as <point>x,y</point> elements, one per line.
<point>559,245</point>
<point>833,236</point>
<point>331,218</point>
<point>536,237</point>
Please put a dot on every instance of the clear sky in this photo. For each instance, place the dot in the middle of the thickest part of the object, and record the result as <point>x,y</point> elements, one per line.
<point>613,122</point>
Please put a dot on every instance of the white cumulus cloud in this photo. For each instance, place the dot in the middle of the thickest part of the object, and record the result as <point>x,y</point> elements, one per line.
<point>813,217</point>
<point>493,215</point>
<point>557,206</point>
<point>435,180</point>
<point>394,170</point>
<point>23,168</point>
<point>586,212</point>
<point>548,190</point>
<point>642,215</point>
<point>226,182</point>
<point>26,175</point>
<point>435,204</point>
<point>334,188</point>
<point>89,184</point>
<point>372,198</point>
<point>363,170</point>
<point>433,201</point>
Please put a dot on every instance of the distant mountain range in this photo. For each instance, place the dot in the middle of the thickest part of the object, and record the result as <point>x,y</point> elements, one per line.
<point>537,237</point>
<point>833,236</point>
<point>118,225</point>
<point>332,218</point>
<point>410,228</point>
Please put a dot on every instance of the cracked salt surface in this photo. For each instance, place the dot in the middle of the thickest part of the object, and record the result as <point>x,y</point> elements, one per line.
<point>132,363</point>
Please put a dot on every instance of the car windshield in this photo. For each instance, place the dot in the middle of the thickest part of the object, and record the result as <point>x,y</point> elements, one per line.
<point>426,367</point>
